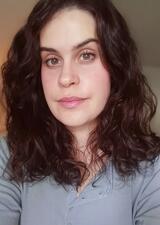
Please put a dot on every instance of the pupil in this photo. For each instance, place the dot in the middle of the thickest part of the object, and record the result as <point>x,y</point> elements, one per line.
<point>86,56</point>
<point>54,60</point>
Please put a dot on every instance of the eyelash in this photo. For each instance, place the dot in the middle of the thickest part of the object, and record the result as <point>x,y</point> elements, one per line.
<point>49,60</point>
<point>89,53</point>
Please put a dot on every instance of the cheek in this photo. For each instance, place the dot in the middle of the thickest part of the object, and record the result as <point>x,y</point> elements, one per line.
<point>48,81</point>
<point>101,88</point>
<point>100,80</point>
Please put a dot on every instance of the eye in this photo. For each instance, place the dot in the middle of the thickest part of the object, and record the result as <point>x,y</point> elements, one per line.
<point>87,56</point>
<point>53,61</point>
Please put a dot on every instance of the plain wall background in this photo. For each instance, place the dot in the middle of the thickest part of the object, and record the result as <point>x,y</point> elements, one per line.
<point>153,76</point>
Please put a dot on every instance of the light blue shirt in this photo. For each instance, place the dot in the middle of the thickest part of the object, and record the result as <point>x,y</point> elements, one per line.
<point>110,201</point>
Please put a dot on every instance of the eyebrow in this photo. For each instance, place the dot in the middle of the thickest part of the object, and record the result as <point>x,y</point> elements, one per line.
<point>48,49</point>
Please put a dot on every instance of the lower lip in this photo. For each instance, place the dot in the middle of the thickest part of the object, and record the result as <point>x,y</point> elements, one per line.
<point>71,104</point>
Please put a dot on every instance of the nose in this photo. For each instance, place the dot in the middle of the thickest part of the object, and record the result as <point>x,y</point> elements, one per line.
<point>69,75</point>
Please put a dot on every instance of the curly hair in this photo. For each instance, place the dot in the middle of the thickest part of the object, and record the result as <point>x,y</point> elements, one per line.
<point>39,144</point>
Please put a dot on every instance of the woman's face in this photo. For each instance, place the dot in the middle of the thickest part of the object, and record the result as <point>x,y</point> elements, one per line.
<point>75,82</point>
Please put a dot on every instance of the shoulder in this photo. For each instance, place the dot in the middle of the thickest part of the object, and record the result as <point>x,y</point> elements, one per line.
<point>3,145</point>
<point>146,194</point>
<point>10,191</point>
<point>4,154</point>
<point>150,174</point>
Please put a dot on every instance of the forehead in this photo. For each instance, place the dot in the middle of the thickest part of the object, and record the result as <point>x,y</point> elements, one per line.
<point>68,28</point>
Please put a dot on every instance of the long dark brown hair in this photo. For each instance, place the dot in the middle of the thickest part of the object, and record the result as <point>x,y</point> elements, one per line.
<point>40,145</point>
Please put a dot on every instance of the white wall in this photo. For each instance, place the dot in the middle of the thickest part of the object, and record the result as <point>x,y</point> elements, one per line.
<point>153,76</point>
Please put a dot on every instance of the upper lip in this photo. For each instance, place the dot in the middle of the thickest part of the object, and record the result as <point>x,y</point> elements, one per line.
<point>69,99</point>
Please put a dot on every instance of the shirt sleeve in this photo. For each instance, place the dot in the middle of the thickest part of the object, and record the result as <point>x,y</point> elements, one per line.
<point>146,209</point>
<point>10,192</point>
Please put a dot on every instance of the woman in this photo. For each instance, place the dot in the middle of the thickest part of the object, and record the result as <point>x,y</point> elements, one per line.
<point>79,147</point>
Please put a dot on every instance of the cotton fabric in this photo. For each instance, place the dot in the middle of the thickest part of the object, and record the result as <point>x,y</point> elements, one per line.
<point>106,200</point>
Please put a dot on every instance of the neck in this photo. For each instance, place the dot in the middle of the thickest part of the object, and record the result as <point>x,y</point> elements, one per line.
<point>82,149</point>
<point>82,134</point>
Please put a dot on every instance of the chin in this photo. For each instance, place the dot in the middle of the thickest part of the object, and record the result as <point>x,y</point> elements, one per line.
<point>73,123</point>
<point>83,124</point>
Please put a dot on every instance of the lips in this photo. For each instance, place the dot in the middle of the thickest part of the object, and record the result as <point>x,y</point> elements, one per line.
<point>71,102</point>
<point>70,99</point>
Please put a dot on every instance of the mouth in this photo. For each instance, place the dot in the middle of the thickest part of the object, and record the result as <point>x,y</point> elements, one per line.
<point>71,102</point>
